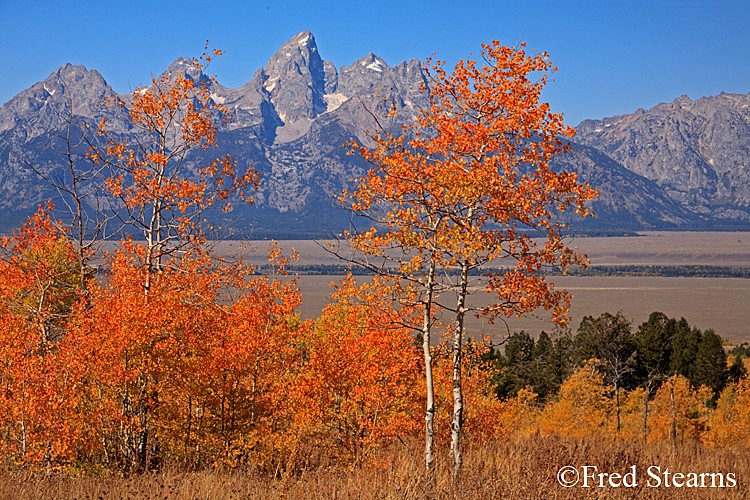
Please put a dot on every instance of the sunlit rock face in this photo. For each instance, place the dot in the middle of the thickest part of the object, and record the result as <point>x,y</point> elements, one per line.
<point>697,151</point>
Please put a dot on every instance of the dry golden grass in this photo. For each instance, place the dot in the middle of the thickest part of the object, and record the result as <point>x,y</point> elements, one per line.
<point>525,469</point>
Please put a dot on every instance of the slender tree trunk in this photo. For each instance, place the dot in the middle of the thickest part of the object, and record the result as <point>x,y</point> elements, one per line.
<point>189,427</point>
<point>142,435</point>
<point>142,451</point>
<point>674,415</point>
<point>23,438</point>
<point>429,418</point>
<point>253,389</point>
<point>458,400</point>
<point>617,405</point>
<point>645,416</point>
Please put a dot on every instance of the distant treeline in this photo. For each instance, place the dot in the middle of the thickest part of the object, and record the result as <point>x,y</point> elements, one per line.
<point>689,271</point>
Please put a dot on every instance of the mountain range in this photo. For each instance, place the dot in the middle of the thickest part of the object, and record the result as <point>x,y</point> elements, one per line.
<point>682,165</point>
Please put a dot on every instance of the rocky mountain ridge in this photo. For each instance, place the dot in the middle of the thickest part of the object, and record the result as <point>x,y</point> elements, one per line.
<point>678,165</point>
<point>697,151</point>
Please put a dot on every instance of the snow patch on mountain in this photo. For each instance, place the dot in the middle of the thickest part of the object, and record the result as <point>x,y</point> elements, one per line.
<point>333,101</point>
<point>376,66</point>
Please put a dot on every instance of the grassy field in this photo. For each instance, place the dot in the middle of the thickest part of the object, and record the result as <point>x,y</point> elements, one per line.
<point>526,469</point>
<point>670,248</point>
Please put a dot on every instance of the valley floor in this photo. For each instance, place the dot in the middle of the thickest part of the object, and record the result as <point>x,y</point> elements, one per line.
<point>717,303</point>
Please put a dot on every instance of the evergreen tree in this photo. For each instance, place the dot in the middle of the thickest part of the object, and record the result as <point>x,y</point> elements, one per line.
<point>544,382</point>
<point>737,370</point>
<point>684,349</point>
<point>653,343</point>
<point>559,360</point>
<point>710,368</point>
<point>515,365</point>
<point>543,346</point>
<point>609,339</point>
<point>741,351</point>
<point>543,364</point>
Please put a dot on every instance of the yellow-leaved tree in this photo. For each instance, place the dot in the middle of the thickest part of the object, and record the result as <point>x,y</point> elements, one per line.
<point>582,408</point>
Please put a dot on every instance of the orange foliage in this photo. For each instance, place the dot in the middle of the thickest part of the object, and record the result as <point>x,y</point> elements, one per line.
<point>521,413</point>
<point>183,369</point>
<point>38,279</point>
<point>729,423</point>
<point>357,384</point>
<point>632,414</point>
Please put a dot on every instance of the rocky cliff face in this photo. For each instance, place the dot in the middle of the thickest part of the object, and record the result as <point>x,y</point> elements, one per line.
<point>697,151</point>
<point>683,164</point>
<point>626,200</point>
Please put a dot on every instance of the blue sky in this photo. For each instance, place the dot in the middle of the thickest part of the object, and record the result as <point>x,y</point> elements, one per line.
<point>614,56</point>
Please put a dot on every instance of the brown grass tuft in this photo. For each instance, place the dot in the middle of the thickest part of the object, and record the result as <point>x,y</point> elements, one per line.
<point>524,469</point>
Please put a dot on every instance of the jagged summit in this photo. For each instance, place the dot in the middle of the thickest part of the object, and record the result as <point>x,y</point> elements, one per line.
<point>679,164</point>
<point>297,86</point>
<point>362,74</point>
<point>43,105</point>
<point>185,66</point>
<point>373,63</point>
<point>294,79</point>
<point>181,66</point>
<point>72,72</point>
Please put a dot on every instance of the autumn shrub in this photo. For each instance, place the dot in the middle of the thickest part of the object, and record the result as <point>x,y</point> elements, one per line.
<point>680,411</point>
<point>729,423</point>
<point>521,413</point>
<point>632,414</point>
<point>356,389</point>
<point>582,407</point>
<point>38,273</point>
<point>179,372</point>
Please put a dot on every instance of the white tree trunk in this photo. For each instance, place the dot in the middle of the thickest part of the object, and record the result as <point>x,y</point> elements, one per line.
<point>458,399</point>
<point>429,418</point>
